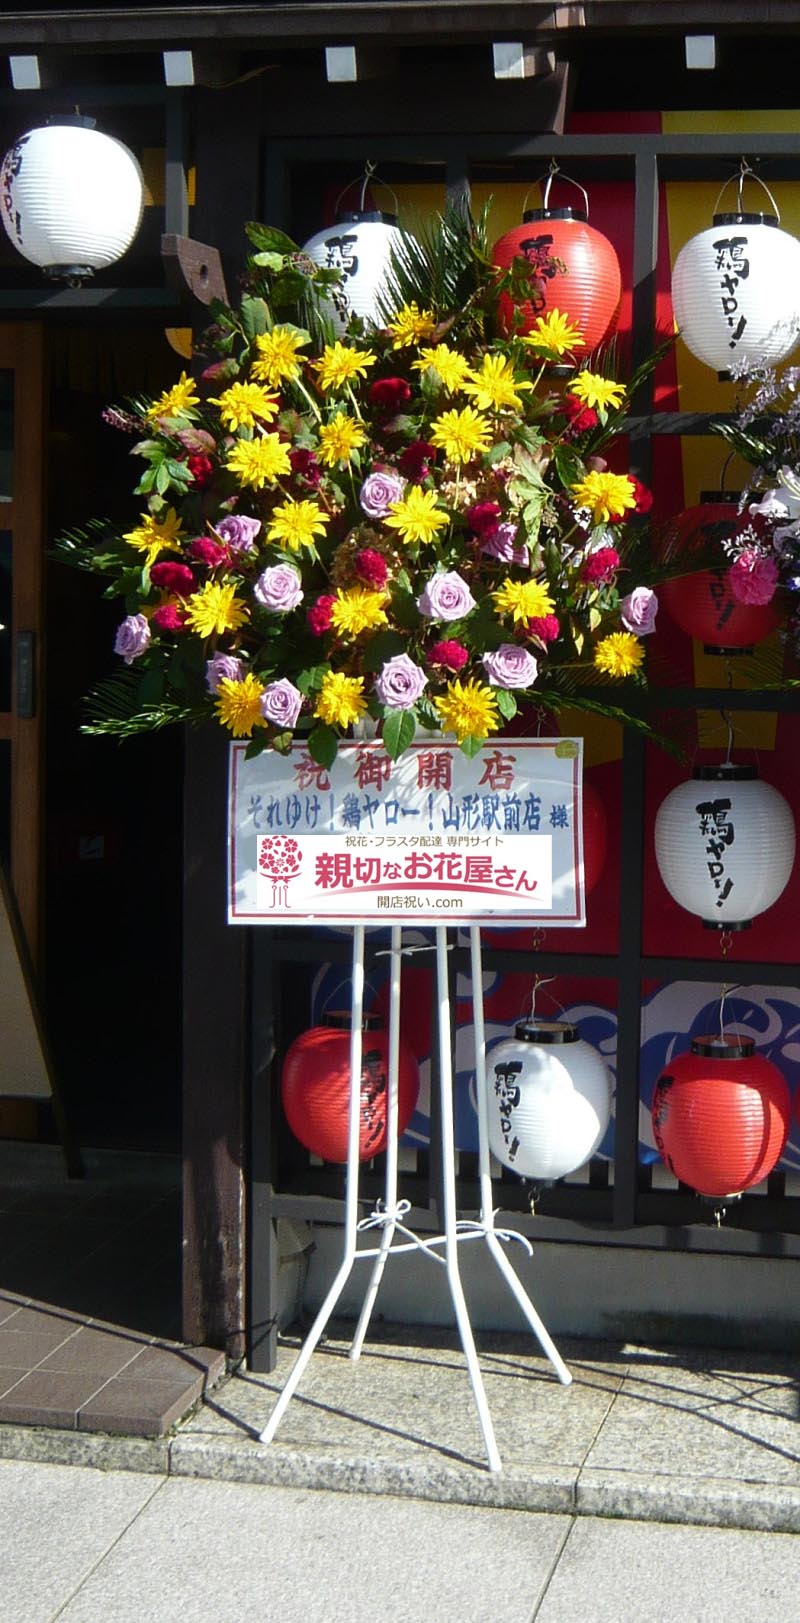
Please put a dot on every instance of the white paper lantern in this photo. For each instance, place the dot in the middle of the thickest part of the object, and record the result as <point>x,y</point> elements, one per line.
<point>71,198</point>
<point>736,292</point>
<point>725,845</point>
<point>359,246</point>
<point>549,1100</point>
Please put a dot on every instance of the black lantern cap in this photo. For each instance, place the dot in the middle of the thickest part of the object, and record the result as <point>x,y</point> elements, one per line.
<point>554,214</point>
<point>726,772</point>
<point>723,1047</point>
<point>546,1031</point>
<point>361,216</point>
<point>341,1019</point>
<point>745,219</point>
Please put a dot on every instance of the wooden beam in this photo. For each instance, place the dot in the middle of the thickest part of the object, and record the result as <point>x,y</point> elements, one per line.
<point>193,269</point>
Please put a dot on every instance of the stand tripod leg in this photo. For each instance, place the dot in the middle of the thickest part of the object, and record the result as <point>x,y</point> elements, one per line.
<point>392,1111</point>
<point>351,1201</point>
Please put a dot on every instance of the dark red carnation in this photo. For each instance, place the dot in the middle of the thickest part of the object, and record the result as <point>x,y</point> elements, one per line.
<point>484,517</point>
<point>415,461</point>
<point>545,627</point>
<point>389,394</point>
<point>600,565</point>
<point>319,615</point>
<point>205,551</point>
<point>644,497</point>
<point>581,417</point>
<point>453,655</point>
<point>171,577</point>
<point>168,618</point>
<point>305,466</point>
<point>371,567</point>
<point>201,469</point>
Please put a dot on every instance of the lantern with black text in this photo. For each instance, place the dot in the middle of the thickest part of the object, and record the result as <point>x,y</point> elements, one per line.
<point>549,1099</point>
<point>736,290</point>
<point>725,844</point>
<point>71,198</point>
<point>315,1087</point>
<point>359,246</point>
<point>702,604</point>
<point>575,267</point>
<point>721,1116</point>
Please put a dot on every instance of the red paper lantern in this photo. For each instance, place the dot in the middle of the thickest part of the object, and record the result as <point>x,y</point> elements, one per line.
<point>721,1116</point>
<point>703,604</point>
<point>315,1087</point>
<point>590,288</point>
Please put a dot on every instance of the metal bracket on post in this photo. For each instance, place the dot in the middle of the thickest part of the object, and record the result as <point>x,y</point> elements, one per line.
<point>193,269</point>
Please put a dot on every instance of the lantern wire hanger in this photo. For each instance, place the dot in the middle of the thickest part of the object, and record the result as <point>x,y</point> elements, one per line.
<point>366,179</point>
<point>734,987</point>
<point>745,172</point>
<point>539,981</point>
<point>546,180</point>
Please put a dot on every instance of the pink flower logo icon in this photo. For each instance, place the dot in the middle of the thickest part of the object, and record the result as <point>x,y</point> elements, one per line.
<point>279,859</point>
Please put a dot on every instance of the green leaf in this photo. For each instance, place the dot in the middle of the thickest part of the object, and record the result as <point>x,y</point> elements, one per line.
<point>506,703</point>
<point>267,238</point>
<point>381,647</point>
<point>289,287</point>
<point>310,680</point>
<point>470,746</point>
<point>323,744</point>
<point>163,480</point>
<point>397,732</point>
<point>568,465</point>
<point>257,744</point>
<point>269,260</point>
<point>255,317</point>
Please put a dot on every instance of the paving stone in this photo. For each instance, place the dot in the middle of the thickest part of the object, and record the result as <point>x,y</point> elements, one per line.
<point>30,1347</point>
<point>104,1352</point>
<point>48,1398</point>
<point>140,1408</point>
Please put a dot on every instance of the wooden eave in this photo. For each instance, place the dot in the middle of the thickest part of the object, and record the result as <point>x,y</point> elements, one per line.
<point>137,28</point>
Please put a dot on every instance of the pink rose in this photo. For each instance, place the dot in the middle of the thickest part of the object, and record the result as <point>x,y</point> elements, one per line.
<point>446,597</point>
<point>638,611</point>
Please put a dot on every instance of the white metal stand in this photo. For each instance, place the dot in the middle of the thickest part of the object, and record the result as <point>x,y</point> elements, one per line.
<point>389,1217</point>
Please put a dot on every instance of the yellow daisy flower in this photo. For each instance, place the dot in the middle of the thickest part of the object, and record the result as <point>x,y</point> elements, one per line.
<point>276,359</point>
<point>606,495</point>
<point>523,600</point>
<point>154,536</point>
<point>178,401</point>
<point>461,434</point>
<point>239,705</point>
<point>468,709</point>
<point>215,609</point>
<point>339,364</point>
<point>493,387</point>
<point>411,325</point>
<point>556,332</point>
<point>339,438</point>
<point>297,524</point>
<point>260,461</point>
<point>619,654</point>
<point>341,699</point>
<point>358,610</point>
<point>243,404</point>
<point>595,390</point>
<point>417,516</point>
<point>453,368</point>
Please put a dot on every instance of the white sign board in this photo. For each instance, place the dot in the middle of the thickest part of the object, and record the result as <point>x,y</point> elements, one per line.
<point>431,838</point>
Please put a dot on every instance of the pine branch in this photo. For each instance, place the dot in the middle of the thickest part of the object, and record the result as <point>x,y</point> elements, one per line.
<point>115,708</point>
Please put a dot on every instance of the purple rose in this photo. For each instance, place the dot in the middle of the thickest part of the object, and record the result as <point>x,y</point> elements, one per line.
<point>133,637</point>
<point>223,668</point>
<point>446,597</point>
<point>510,666</point>
<point>280,703</point>
<point>400,682</point>
<point>378,492</point>
<point>239,532</point>
<point>279,588</point>
<point>501,542</point>
<point>638,611</point>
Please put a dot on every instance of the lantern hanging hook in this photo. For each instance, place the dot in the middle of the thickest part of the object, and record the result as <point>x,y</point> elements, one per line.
<point>369,170</point>
<point>746,172</point>
<point>538,980</point>
<point>554,169</point>
<point>734,987</point>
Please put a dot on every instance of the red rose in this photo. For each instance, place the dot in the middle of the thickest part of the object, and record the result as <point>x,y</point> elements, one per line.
<point>484,517</point>
<point>600,565</point>
<point>644,497</point>
<point>170,577</point>
<point>305,466</point>
<point>581,418</point>
<point>205,551</point>
<point>201,469</point>
<point>453,655</point>
<point>389,394</point>
<point>168,618</point>
<point>319,615</point>
<point>415,461</point>
<point>371,567</point>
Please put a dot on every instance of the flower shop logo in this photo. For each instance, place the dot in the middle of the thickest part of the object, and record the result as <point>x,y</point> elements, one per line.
<point>279,859</point>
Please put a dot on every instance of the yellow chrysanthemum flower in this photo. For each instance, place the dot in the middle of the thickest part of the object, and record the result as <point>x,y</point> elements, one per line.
<point>179,401</point>
<point>595,390</point>
<point>339,438</point>
<point>339,364</point>
<point>417,517</point>
<point>341,699</point>
<point>607,496</point>
<point>411,326</point>
<point>619,654</point>
<point>358,610</point>
<point>260,461</point>
<point>244,404</point>
<point>276,360</point>
<point>461,434</point>
<point>523,600</point>
<point>215,609</point>
<point>493,387</point>
<point>468,709</point>
<point>154,536</point>
<point>452,367</point>
<point>239,705</point>
<point>297,524</point>
<point>555,332</point>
